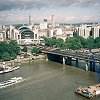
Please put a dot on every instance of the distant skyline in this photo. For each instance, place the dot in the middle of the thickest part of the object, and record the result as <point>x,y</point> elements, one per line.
<point>65,11</point>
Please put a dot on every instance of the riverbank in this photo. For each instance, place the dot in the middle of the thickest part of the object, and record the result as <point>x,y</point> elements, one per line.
<point>20,61</point>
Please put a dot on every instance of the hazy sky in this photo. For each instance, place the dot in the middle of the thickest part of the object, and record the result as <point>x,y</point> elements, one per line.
<point>68,11</point>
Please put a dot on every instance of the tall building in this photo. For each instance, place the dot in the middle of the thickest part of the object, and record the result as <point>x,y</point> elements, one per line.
<point>43,25</point>
<point>52,19</point>
<point>95,31</point>
<point>29,19</point>
<point>83,31</point>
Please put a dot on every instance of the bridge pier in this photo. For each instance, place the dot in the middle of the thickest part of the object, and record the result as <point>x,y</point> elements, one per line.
<point>86,65</point>
<point>92,66</point>
<point>87,68</point>
<point>76,61</point>
<point>63,60</point>
<point>69,60</point>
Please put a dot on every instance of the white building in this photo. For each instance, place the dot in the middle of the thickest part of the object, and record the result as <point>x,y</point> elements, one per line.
<point>88,30</point>
<point>24,35</point>
<point>95,31</point>
<point>43,25</point>
<point>59,31</point>
<point>1,36</point>
<point>69,33</point>
<point>2,33</point>
<point>83,31</point>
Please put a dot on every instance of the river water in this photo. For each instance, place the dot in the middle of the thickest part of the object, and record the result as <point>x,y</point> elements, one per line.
<point>47,80</point>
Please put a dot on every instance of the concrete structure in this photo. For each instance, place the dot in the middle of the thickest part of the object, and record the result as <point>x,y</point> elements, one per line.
<point>67,56</point>
<point>29,19</point>
<point>88,30</point>
<point>95,31</point>
<point>83,31</point>
<point>24,35</point>
<point>52,23</point>
<point>2,33</point>
<point>43,25</point>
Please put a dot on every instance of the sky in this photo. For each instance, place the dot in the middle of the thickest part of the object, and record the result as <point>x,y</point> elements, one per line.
<point>64,11</point>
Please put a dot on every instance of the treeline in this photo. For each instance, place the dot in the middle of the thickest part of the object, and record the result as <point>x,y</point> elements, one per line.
<point>9,50</point>
<point>73,43</point>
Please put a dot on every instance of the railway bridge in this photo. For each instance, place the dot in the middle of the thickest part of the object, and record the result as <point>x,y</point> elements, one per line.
<point>67,56</point>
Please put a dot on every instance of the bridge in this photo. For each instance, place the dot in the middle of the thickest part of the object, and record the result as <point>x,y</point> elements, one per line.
<point>67,56</point>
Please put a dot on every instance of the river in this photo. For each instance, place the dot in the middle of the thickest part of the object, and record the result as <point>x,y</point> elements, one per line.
<point>47,80</point>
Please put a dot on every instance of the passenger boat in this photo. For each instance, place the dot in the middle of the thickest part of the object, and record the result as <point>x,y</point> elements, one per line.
<point>10,82</point>
<point>6,69</point>
<point>89,91</point>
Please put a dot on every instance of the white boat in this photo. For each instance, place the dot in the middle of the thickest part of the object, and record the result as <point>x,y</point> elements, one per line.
<point>10,82</point>
<point>7,69</point>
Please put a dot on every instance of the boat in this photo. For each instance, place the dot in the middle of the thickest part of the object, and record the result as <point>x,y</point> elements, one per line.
<point>89,92</point>
<point>11,82</point>
<point>6,69</point>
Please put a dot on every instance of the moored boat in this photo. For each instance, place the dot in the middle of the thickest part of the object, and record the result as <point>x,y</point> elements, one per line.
<point>89,91</point>
<point>11,82</point>
<point>6,69</point>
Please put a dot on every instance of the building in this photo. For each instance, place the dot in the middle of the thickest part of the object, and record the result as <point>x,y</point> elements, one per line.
<point>43,25</point>
<point>83,30</point>
<point>95,31</point>
<point>88,30</point>
<point>24,35</point>
<point>2,33</point>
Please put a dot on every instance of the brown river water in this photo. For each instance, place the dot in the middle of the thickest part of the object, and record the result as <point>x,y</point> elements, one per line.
<point>47,80</point>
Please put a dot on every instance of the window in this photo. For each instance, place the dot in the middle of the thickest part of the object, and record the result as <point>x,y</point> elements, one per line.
<point>35,36</point>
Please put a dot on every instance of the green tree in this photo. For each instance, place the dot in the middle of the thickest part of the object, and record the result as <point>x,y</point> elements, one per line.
<point>97,42</point>
<point>9,49</point>
<point>3,47</point>
<point>82,40</point>
<point>13,55</point>
<point>90,43</point>
<point>74,43</point>
<point>64,46</point>
<point>53,41</point>
<point>13,46</point>
<point>35,50</point>
<point>60,42</point>
<point>25,49</point>
<point>5,56</point>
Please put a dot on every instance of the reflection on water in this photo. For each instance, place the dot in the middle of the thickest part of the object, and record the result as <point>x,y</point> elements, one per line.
<point>47,81</point>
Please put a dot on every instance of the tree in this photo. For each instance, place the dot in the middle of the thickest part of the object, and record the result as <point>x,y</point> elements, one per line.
<point>59,42</point>
<point>5,56</point>
<point>9,50</point>
<point>82,40</point>
<point>90,43</point>
<point>74,43</point>
<point>35,50</point>
<point>13,55</point>
<point>97,42</point>
<point>3,47</point>
<point>25,49</point>
<point>13,45</point>
<point>53,41</point>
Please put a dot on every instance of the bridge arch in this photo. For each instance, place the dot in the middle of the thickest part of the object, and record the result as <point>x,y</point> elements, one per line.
<point>27,34</point>
<point>23,28</point>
